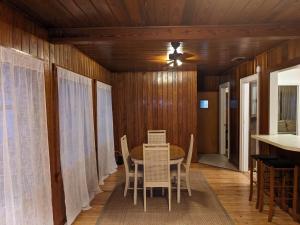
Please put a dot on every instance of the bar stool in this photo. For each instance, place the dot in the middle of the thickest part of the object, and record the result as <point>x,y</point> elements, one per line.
<point>257,159</point>
<point>280,171</point>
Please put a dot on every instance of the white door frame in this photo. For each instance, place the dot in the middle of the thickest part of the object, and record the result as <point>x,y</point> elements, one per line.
<point>244,119</point>
<point>222,119</point>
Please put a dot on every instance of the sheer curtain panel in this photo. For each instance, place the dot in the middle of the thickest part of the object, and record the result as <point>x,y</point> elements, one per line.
<point>77,141</point>
<point>106,152</point>
<point>25,185</point>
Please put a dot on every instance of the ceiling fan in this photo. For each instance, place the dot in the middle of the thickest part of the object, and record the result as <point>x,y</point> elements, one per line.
<point>177,58</point>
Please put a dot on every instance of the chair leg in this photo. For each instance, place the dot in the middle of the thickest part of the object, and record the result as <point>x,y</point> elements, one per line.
<point>126,186</point>
<point>135,184</point>
<point>145,195</point>
<point>163,191</point>
<point>151,192</point>
<point>261,187</point>
<point>258,179</point>
<point>271,203</point>
<point>283,193</point>
<point>178,182</point>
<point>169,198</point>
<point>295,194</point>
<point>251,180</point>
<point>187,180</point>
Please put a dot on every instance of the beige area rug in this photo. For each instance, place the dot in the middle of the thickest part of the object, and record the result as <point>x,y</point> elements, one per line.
<point>203,208</point>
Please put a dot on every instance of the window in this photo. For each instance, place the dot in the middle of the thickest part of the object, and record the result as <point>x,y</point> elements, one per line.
<point>203,104</point>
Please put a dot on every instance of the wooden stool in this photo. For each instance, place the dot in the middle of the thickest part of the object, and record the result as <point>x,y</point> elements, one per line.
<point>257,159</point>
<point>285,171</point>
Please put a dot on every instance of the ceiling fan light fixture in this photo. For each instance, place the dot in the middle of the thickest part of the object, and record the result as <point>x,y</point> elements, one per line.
<point>178,62</point>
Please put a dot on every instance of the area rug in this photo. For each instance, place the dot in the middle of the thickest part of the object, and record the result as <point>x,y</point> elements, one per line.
<point>203,208</point>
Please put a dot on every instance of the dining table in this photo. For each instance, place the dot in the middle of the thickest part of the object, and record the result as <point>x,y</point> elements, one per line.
<point>177,155</point>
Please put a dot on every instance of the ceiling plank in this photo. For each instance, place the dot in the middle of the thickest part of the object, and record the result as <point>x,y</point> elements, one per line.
<point>172,33</point>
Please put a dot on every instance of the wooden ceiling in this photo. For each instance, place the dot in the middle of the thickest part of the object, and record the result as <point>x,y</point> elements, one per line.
<point>128,35</point>
<point>213,56</point>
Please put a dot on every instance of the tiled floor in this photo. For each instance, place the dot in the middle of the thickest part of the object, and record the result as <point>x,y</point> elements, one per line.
<point>216,160</point>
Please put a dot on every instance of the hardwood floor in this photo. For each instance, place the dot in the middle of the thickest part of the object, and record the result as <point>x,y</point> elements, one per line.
<point>232,189</point>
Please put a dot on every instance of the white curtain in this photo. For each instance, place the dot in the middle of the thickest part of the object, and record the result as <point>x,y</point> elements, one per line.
<point>77,142</point>
<point>106,152</point>
<point>25,185</point>
<point>287,96</point>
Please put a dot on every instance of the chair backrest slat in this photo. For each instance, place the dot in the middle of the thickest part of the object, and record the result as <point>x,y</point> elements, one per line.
<point>157,136</point>
<point>125,152</point>
<point>156,163</point>
<point>190,153</point>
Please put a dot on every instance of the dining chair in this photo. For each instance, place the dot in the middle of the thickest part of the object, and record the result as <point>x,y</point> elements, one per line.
<point>156,159</point>
<point>157,136</point>
<point>129,170</point>
<point>185,168</point>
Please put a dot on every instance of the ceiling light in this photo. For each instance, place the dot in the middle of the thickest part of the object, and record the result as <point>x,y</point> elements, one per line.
<point>178,62</point>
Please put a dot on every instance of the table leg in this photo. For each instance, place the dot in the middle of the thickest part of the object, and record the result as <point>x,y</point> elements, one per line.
<point>178,182</point>
<point>135,183</point>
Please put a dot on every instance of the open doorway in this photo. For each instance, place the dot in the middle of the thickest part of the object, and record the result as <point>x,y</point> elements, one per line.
<point>249,119</point>
<point>285,101</point>
<point>224,118</point>
<point>213,131</point>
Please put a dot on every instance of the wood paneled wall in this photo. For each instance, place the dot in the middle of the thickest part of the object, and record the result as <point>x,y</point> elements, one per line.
<point>155,100</point>
<point>285,55</point>
<point>17,31</point>
<point>208,123</point>
<point>207,82</point>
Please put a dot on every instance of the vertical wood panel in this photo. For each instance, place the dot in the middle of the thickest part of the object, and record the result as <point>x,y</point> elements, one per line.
<point>155,100</point>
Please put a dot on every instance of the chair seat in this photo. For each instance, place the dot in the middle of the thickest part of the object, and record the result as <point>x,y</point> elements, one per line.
<point>279,163</point>
<point>263,157</point>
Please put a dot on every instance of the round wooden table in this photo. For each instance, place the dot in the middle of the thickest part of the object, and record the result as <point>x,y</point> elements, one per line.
<point>177,155</point>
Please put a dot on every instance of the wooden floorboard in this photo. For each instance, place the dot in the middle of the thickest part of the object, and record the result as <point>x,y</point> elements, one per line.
<point>232,189</point>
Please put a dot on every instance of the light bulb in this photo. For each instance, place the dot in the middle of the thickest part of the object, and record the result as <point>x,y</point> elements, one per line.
<point>178,62</point>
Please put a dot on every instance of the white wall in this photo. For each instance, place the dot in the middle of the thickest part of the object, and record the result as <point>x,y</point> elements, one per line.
<point>289,77</point>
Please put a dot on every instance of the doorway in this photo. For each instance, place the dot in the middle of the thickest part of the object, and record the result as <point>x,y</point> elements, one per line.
<point>224,118</point>
<point>249,119</point>
<point>285,101</point>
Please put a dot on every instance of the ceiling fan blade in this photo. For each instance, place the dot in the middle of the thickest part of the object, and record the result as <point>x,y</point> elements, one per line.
<point>190,61</point>
<point>185,55</point>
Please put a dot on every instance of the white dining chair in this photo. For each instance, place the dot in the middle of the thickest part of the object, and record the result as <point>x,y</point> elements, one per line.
<point>156,159</point>
<point>129,170</point>
<point>185,168</point>
<point>157,136</point>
